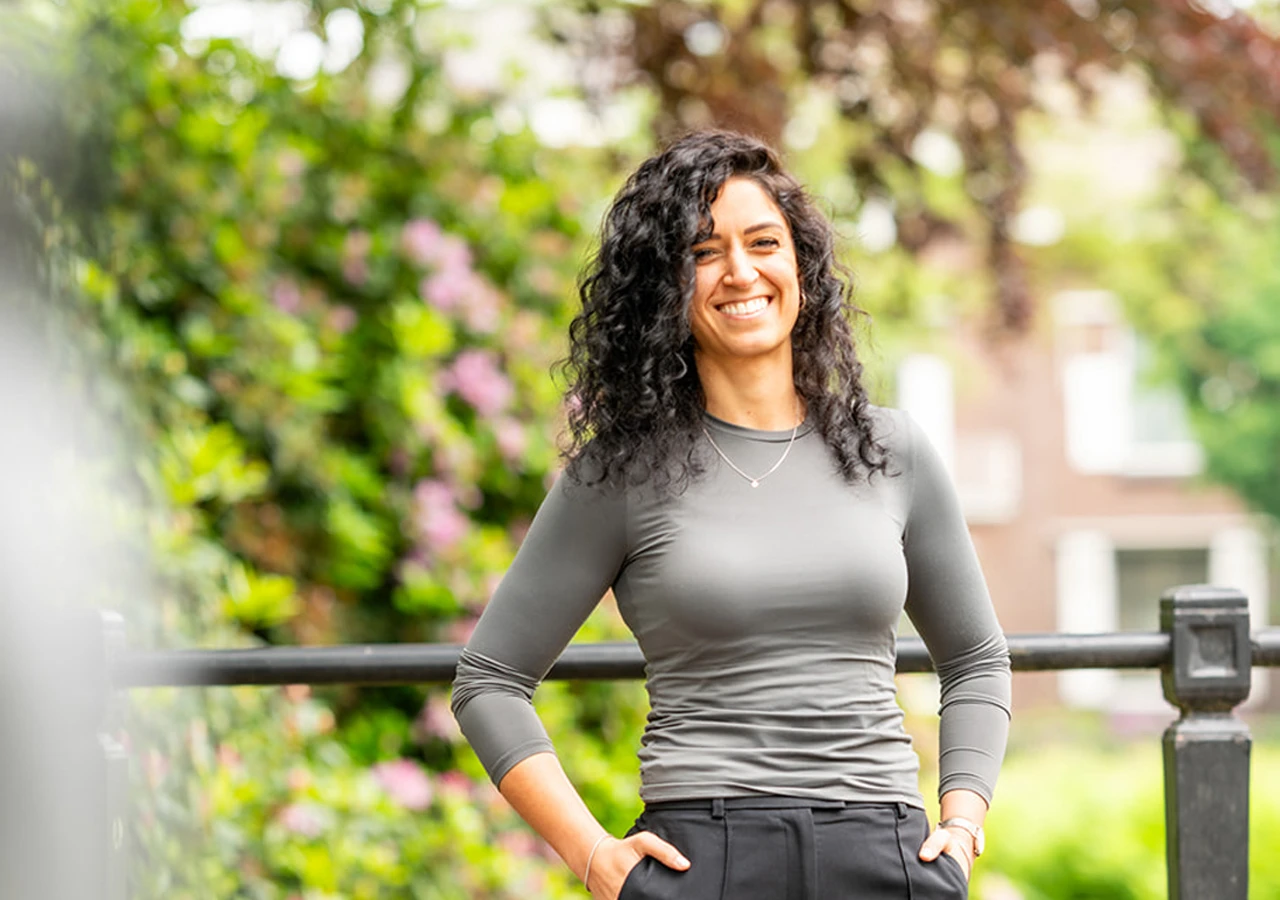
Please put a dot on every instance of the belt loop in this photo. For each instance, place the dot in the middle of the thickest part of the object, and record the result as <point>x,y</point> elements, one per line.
<point>717,808</point>
<point>902,809</point>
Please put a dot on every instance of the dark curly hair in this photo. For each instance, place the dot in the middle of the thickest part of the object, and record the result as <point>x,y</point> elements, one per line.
<point>635,401</point>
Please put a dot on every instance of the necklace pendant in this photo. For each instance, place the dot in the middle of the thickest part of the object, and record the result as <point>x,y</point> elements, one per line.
<point>755,483</point>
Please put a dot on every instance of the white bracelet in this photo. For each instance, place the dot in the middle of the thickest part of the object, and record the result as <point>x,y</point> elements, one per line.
<point>586,876</point>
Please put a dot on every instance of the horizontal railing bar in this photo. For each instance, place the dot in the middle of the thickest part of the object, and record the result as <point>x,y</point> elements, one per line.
<point>1266,647</point>
<point>428,663</point>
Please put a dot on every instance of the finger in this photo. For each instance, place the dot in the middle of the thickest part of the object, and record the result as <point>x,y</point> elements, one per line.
<point>650,844</point>
<point>966,864</point>
<point>934,844</point>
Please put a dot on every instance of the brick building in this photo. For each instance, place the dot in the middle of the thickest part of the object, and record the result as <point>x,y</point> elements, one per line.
<point>1080,483</point>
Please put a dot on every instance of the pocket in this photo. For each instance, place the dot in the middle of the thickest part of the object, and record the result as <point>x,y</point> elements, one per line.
<point>957,870</point>
<point>941,879</point>
<point>636,877</point>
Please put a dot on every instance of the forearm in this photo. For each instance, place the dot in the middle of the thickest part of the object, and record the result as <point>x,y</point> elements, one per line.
<point>964,804</point>
<point>973,729</point>
<point>538,789</point>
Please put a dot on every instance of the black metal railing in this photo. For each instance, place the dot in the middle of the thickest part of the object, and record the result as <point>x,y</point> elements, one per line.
<point>1204,649</point>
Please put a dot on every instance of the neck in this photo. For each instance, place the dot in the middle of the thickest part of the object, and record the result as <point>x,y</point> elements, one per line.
<point>758,395</point>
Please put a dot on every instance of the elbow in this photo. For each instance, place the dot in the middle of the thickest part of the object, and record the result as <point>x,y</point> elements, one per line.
<point>989,658</point>
<point>478,675</point>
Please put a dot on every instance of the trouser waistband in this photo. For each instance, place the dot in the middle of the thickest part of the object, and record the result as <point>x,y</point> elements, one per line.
<point>717,805</point>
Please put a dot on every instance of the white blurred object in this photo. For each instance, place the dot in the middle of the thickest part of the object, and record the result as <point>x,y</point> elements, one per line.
<point>62,834</point>
<point>926,391</point>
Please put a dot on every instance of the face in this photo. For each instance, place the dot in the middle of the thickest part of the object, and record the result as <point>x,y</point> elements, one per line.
<point>747,290</point>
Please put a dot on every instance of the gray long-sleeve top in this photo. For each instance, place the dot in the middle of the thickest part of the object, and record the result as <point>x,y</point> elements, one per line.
<point>767,618</point>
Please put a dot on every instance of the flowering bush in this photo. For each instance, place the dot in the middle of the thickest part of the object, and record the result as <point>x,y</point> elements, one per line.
<point>334,311</point>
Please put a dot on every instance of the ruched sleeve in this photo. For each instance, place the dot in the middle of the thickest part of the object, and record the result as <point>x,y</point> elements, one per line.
<point>948,603</point>
<point>569,558</point>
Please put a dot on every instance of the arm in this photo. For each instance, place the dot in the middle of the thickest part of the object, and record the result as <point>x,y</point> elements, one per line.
<point>571,555</point>
<point>539,791</point>
<point>948,603</point>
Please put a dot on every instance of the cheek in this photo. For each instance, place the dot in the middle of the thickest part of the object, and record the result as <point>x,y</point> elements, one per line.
<point>704,284</point>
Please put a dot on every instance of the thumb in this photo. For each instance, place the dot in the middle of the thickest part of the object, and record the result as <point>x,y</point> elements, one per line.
<point>934,844</point>
<point>650,844</point>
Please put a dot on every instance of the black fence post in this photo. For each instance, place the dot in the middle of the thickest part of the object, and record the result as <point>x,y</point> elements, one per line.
<point>1206,752</point>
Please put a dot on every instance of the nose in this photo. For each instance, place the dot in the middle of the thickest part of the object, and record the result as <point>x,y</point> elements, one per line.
<point>739,270</point>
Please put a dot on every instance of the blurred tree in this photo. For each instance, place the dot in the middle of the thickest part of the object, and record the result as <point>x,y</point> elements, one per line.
<point>901,70</point>
<point>1205,288</point>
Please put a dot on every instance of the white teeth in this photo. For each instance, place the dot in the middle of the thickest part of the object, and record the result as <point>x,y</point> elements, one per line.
<point>745,308</point>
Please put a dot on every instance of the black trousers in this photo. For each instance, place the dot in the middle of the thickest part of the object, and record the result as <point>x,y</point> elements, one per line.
<point>778,848</point>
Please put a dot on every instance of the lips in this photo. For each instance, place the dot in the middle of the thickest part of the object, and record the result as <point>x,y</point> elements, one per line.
<point>744,308</point>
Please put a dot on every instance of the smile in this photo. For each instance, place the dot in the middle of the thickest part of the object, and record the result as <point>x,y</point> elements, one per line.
<point>744,308</point>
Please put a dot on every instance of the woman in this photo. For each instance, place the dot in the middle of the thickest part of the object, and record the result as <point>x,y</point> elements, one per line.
<point>762,527</point>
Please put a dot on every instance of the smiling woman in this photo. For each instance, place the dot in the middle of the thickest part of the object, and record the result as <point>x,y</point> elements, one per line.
<point>762,528</point>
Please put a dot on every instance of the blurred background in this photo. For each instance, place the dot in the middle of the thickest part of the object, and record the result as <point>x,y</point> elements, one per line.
<point>296,274</point>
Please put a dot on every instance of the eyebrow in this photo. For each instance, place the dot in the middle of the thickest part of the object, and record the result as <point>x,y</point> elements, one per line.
<point>759,226</point>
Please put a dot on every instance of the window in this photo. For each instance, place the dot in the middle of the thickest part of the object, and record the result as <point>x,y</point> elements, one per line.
<point>985,464</point>
<point>1119,419</point>
<point>1105,586</point>
<point>1143,575</point>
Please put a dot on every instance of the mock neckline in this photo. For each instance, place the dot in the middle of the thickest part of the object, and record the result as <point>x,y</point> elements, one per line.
<point>755,434</point>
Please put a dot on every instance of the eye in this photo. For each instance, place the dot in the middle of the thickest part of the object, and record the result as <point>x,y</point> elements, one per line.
<point>768,243</point>
<point>702,253</point>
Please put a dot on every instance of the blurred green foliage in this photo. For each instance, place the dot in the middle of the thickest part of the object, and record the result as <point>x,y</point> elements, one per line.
<point>330,308</point>
<point>1076,823</point>
<point>1206,290</point>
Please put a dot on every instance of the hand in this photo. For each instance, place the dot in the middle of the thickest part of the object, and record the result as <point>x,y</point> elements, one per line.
<point>615,858</point>
<point>950,840</point>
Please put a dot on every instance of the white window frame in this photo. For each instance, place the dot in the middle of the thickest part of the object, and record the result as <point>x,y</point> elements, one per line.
<point>1088,602</point>
<point>1099,390</point>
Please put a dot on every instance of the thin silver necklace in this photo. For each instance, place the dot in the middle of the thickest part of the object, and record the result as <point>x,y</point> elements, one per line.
<point>755,481</point>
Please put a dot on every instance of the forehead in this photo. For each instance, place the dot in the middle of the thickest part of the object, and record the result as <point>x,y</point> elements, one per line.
<point>743,202</point>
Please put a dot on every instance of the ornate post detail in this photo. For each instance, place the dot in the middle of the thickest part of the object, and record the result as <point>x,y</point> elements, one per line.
<point>1206,752</point>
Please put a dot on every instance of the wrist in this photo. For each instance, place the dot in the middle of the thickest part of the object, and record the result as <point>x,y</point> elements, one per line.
<point>591,857</point>
<point>970,832</point>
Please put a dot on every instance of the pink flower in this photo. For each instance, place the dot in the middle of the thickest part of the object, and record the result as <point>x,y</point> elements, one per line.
<point>420,240</point>
<point>483,308</point>
<point>452,255</point>
<point>307,819</point>
<point>459,630</point>
<point>518,843</point>
<point>290,163</point>
<point>298,779</point>
<point>447,288</point>
<point>440,523</point>
<point>405,782</point>
<point>286,296</point>
<point>342,319</point>
<point>355,257</point>
<point>511,437</point>
<point>454,784</point>
<point>436,720</point>
<point>475,377</point>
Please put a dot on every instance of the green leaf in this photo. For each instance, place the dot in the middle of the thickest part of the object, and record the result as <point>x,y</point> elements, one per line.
<point>258,601</point>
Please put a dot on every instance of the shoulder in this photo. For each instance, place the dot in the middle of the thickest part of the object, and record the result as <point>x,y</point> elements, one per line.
<point>584,481</point>
<point>897,432</point>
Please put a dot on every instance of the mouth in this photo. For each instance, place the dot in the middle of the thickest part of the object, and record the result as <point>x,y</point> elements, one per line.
<point>744,309</point>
